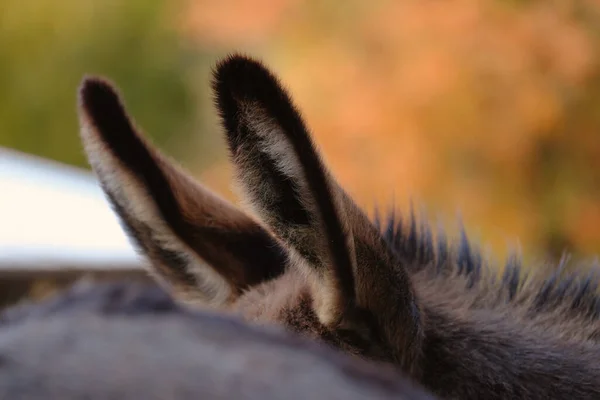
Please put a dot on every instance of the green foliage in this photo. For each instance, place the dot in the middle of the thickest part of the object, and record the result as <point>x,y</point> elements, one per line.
<point>46,48</point>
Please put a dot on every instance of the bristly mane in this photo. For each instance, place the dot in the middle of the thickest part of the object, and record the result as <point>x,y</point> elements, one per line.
<point>573,290</point>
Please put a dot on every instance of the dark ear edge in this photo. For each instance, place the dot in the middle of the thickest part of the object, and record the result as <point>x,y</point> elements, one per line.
<point>193,237</point>
<point>246,92</point>
<point>268,138</point>
<point>103,109</point>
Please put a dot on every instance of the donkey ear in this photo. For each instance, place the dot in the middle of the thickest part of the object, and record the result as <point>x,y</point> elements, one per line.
<point>283,178</point>
<point>285,181</point>
<point>198,243</point>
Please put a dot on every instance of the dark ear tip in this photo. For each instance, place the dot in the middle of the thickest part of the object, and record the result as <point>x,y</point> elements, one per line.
<point>97,96</point>
<point>240,75</point>
<point>92,87</point>
<point>237,66</point>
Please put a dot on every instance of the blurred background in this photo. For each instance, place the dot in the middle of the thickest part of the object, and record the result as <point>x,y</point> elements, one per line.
<point>487,109</point>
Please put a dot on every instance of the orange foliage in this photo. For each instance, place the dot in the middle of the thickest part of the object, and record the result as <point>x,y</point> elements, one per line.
<point>451,103</point>
<point>229,21</point>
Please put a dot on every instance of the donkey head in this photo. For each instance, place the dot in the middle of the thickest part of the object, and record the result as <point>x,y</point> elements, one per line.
<point>311,261</point>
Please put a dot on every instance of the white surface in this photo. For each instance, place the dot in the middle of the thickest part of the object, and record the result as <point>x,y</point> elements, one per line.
<point>53,215</point>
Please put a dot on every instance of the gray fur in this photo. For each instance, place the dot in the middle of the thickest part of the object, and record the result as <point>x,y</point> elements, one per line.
<point>129,341</point>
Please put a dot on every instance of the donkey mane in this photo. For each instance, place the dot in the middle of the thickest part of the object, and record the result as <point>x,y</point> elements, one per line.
<point>573,291</point>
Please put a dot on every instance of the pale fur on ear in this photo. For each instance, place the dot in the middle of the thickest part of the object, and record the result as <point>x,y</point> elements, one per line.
<point>282,176</point>
<point>339,250</point>
<point>198,243</point>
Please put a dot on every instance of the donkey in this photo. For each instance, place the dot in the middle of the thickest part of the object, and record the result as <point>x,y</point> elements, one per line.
<point>308,258</point>
<point>132,341</point>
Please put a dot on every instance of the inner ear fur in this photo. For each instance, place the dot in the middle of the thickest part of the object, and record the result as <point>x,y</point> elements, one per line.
<point>198,243</point>
<point>282,176</point>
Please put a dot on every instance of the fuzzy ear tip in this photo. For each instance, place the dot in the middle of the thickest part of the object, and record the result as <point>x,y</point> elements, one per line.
<point>93,86</point>
<point>236,64</point>
<point>242,74</point>
<point>96,91</point>
<point>97,96</point>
